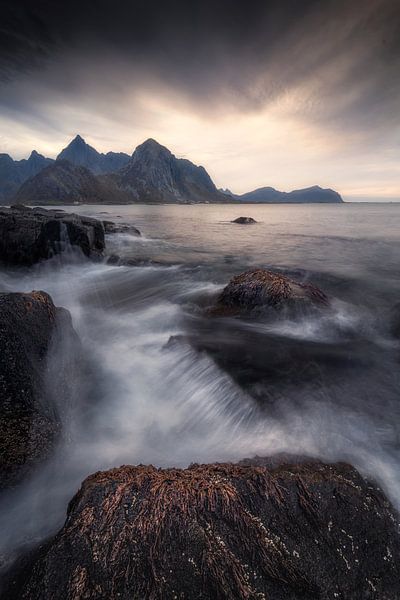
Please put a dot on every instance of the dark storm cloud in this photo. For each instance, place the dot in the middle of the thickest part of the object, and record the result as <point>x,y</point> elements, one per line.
<point>338,61</point>
<point>30,31</point>
<point>189,42</point>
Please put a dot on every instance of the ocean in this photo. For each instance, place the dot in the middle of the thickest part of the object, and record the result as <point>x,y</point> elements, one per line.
<point>169,385</point>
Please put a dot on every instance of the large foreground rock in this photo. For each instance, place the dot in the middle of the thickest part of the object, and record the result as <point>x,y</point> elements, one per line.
<point>259,288</point>
<point>30,235</point>
<point>250,531</point>
<point>34,375</point>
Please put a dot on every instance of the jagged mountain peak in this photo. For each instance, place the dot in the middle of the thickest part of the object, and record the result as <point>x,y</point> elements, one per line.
<point>152,148</point>
<point>35,156</point>
<point>154,174</point>
<point>78,139</point>
<point>77,145</point>
<point>80,153</point>
<point>151,142</point>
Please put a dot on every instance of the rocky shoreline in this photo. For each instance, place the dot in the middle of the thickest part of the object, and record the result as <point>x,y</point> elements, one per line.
<point>283,528</point>
<point>30,404</point>
<point>28,235</point>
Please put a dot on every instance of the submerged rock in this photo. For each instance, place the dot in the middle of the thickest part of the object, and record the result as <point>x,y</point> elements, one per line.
<point>118,261</point>
<point>32,376</point>
<point>259,288</point>
<point>30,235</point>
<point>219,531</point>
<point>111,227</point>
<point>244,220</point>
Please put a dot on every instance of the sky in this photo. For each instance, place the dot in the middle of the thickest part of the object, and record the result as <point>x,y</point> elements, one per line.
<point>286,93</point>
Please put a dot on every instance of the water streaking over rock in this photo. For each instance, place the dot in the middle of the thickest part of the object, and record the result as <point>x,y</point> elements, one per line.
<point>168,385</point>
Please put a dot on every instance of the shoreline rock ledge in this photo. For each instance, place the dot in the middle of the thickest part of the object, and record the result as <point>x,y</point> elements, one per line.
<point>210,532</point>
<point>29,235</point>
<point>36,380</point>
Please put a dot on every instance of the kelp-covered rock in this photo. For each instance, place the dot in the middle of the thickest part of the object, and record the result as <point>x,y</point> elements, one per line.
<point>299,531</point>
<point>30,235</point>
<point>32,376</point>
<point>259,288</point>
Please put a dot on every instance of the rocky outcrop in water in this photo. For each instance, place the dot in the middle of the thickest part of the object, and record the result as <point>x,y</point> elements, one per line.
<point>111,227</point>
<point>259,288</point>
<point>33,377</point>
<point>30,235</point>
<point>244,221</point>
<point>209,532</point>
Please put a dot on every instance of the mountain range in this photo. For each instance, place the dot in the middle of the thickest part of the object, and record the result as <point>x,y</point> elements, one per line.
<point>270,195</point>
<point>14,172</point>
<point>81,174</point>
<point>65,183</point>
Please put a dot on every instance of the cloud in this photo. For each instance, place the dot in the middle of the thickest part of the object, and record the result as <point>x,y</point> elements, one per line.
<point>306,83</point>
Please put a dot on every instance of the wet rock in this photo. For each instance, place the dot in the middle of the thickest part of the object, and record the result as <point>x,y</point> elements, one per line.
<point>32,377</point>
<point>30,235</point>
<point>111,227</point>
<point>118,261</point>
<point>259,288</point>
<point>270,367</point>
<point>244,220</point>
<point>114,259</point>
<point>293,531</point>
<point>394,320</point>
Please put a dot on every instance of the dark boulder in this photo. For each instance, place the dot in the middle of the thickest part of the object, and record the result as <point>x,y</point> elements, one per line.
<point>287,532</point>
<point>272,367</point>
<point>32,377</point>
<point>394,320</point>
<point>111,227</point>
<point>114,260</point>
<point>30,235</point>
<point>260,288</point>
<point>244,220</point>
